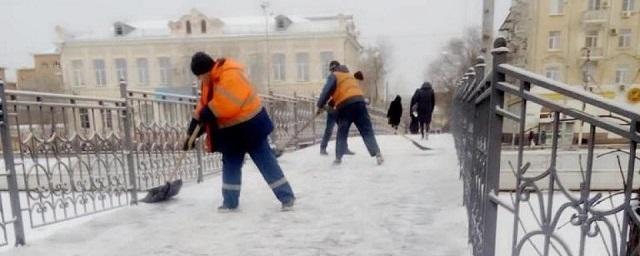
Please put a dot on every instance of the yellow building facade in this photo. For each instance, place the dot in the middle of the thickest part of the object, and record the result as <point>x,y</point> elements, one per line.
<point>289,55</point>
<point>591,44</point>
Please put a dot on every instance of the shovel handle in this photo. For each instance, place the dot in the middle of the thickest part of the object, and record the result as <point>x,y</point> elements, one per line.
<point>183,155</point>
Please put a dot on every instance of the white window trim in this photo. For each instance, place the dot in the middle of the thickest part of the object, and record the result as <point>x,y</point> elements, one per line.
<point>625,70</point>
<point>629,38</point>
<point>121,70</point>
<point>77,73</point>
<point>164,71</point>
<point>302,69</point>
<point>557,45</point>
<point>281,73</point>
<point>101,74</point>
<point>143,74</point>
<point>554,11</point>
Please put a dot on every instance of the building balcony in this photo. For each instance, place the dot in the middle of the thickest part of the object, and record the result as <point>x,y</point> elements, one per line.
<point>595,17</point>
<point>592,53</point>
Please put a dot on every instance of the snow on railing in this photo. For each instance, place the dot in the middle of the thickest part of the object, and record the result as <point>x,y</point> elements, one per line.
<point>69,156</point>
<point>541,216</point>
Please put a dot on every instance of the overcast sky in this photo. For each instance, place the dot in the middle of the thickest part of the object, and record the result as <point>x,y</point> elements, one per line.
<point>415,28</point>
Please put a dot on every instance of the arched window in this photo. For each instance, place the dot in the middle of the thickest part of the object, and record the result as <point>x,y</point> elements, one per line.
<point>188,27</point>
<point>203,26</point>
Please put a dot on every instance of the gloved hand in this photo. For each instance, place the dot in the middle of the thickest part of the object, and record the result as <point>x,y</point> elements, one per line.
<point>206,115</point>
<point>192,127</point>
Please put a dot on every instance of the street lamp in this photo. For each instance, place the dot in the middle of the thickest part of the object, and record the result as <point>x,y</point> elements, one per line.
<point>376,59</point>
<point>264,5</point>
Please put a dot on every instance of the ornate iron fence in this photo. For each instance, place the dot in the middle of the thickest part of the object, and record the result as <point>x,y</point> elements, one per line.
<point>68,156</point>
<point>541,216</point>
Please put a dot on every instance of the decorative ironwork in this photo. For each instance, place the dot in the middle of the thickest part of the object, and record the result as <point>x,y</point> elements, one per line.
<point>548,217</point>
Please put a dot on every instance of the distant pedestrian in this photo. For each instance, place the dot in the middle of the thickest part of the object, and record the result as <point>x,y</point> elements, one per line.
<point>543,138</point>
<point>531,138</point>
<point>344,89</point>
<point>423,102</point>
<point>395,112</point>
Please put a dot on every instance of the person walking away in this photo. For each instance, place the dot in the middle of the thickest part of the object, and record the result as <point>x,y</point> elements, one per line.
<point>424,101</point>
<point>236,123</point>
<point>332,116</point>
<point>344,89</point>
<point>395,112</point>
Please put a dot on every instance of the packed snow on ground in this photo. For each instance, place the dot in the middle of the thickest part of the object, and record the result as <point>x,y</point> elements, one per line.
<point>411,205</point>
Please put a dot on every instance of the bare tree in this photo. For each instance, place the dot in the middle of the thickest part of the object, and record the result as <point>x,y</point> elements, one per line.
<point>457,56</point>
<point>374,65</point>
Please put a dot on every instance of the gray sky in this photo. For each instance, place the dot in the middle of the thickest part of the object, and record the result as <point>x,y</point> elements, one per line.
<point>415,28</point>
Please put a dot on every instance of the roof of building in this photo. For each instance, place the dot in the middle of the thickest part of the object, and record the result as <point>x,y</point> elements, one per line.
<point>231,26</point>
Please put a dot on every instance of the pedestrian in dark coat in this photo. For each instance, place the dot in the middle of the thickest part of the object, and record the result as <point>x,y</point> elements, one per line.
<point>424,101</point>
<point>395,112</point>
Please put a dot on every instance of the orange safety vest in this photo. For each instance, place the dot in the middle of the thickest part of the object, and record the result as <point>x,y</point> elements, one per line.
<point>229,96</point>
<point>346,87</point>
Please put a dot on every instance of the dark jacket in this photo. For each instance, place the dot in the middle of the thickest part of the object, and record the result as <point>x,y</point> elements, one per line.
<point>243,137</point>
<point>423,101</point>
<point>330,87</point>
<point>395,111</point>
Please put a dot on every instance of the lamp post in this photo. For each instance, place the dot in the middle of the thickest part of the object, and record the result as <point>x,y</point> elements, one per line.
<point>264,5</point>
<point>376,59</point>
<point>585,85</point>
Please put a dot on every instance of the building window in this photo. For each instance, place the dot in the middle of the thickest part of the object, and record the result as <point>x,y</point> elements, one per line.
<point>203,26</point>
<point>595,5</point>
<point>108,119</point>
<point>188,25</point>
<point>556,7</point>
<point>165,70</point>
<point>622,74</point>
<point>554,40</point>
<point>143,71</point>
<point>78,77</point>
<point>280,23</point>
<point>325,58</point>
<point>121,69</point>
<point>591,39</point>
<point>624,39</point>
<point>84,118</point>
<point>119,30</point>
<point>278,66</point>
<point>552,73</point>
<point>101,73</point>
<point>302,63</point>
<point>255,70</point>
<point>628,5</point>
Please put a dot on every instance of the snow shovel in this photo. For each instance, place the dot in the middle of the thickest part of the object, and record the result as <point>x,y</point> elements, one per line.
<point>415,143</point>
<point>279,150</point>
<point>171,188</point>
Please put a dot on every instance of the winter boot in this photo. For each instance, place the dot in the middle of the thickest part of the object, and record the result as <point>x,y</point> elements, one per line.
<point>323,151</point>
<point>337,161</point>
<point>225,209</point>
<point>349,152</point>
<point>288,206</point>
<point>379,159</point>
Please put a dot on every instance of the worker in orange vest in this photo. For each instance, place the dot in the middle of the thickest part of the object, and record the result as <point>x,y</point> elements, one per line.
<point>236,123</point>
<point>343,88</point>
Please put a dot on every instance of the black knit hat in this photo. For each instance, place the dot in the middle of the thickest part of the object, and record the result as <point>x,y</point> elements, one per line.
<point>333,65</point>
<point>201,63</point>
<point>358,75</point>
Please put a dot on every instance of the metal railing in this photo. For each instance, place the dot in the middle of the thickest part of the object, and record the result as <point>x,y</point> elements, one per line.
<point>69,156</point>
<point>541,216</point>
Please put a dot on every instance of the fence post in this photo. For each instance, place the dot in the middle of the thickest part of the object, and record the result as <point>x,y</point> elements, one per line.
<point>12,182</point>
<point>313,112</point>
<point>128,141</point>
<point>492,173</point>
<point>272,113</point>
<point>195,92</point>
<point>295,118</point>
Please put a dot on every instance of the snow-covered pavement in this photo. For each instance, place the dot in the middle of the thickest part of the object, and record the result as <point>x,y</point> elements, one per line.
<point>411,205</point>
